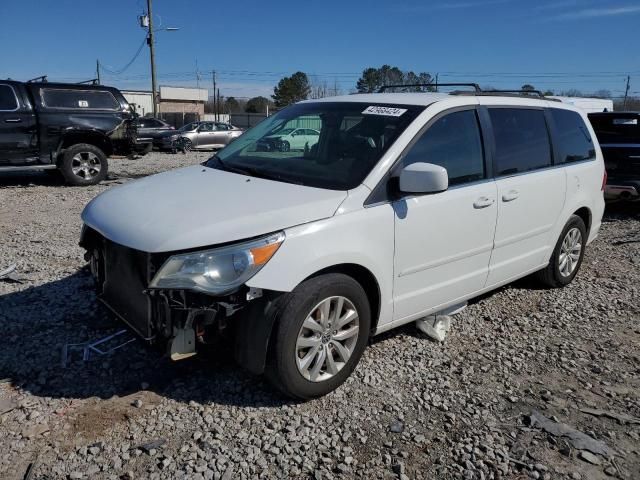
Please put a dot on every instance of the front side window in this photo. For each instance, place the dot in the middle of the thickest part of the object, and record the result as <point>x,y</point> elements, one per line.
<point>351,139</point>
<point>453,142</point>
<point>521,140</point>
<point>575,143</point>
<point>8,100</point>
<point>189,127</point>
<point>78,99</point>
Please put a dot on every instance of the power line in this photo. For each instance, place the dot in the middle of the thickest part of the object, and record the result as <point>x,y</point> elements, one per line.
<point>123,69</point>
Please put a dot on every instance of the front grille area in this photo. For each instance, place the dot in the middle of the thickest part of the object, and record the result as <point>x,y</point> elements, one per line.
<point>126,276</point>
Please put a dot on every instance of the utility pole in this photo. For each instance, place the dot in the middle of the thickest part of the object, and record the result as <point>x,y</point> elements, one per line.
<point>153,58</point>
<point>98,70</point>
<point>218,104</point>
<point>215,104</point>
<point>626,93</point>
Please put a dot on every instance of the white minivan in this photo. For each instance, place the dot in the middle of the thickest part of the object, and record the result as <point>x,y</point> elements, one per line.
<point>406,204</point>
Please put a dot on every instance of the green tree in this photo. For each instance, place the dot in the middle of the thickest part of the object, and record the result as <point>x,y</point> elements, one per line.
<point>527,87</point>
<point>374,78</point>
<point>256,105</point>
<point>231,105</point>
<point>291,89</point>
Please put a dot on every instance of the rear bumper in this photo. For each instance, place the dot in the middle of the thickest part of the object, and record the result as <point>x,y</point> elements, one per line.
<point>622,190</point>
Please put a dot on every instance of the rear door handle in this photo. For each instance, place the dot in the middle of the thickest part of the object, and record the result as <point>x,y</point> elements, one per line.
<point>13,120</point>
<point>510,196</point>
<point>483,202</point>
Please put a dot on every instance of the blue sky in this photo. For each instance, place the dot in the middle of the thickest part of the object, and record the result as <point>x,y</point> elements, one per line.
<point>557,44</point>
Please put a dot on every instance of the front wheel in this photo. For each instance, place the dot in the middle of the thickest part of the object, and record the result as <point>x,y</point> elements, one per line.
<point>84,164</point>
<point>320,336</point>
<point>285,146</point>
<point>567,255</point>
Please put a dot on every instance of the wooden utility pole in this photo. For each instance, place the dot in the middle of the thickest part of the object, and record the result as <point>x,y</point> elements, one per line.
<point>626,93</point>
<point>153,58</point>
<point>215,103</point>
<point>98,70</point>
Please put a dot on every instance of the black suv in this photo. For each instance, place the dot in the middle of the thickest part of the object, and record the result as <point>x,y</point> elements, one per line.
<point>619,137</point>
<point>69,127</point>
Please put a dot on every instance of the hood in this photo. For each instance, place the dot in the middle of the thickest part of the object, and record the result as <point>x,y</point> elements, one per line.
<point>200,206</point>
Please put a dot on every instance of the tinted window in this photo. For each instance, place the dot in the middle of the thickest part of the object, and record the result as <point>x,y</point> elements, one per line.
<point>78,99</point>
<point>575,143</point>
<point>454,143</point>
<point>7,98</point>
<point>222,126</point>
<point>616,127</point>
<point>522,140</point>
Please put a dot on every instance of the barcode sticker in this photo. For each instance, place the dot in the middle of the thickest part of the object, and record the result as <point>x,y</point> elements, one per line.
<point>386,111</point>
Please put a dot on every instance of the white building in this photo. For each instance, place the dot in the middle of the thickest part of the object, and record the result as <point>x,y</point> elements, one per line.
<point>589,105</point>
<point>141,99</point>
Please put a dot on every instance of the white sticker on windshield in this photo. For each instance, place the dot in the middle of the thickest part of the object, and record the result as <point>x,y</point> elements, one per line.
<point>386,111</point>
<point>83,103</point>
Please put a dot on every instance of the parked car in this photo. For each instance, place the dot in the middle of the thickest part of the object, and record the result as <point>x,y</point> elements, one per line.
<point>154,129</point>
<point>202,136</point>
<point>410,204</point>
<point>69,127</point>
<point>619,137</point>
<point>290,139</point>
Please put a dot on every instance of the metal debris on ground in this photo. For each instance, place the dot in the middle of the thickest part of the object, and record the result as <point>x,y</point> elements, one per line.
<point>100,347</point>
<point>622,418</point>
<point>8,274</point>
<point>576,439</point>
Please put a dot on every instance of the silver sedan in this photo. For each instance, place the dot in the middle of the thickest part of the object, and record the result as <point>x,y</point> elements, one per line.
<point>203,136</point>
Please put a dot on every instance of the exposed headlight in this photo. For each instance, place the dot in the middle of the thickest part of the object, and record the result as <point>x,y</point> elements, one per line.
<point>219,270</point>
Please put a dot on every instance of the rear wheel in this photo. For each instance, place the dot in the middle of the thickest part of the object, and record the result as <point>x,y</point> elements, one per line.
<point>285,146</point>
<point>320,336</point>
<point>567,255</point>
<point>84,164</point>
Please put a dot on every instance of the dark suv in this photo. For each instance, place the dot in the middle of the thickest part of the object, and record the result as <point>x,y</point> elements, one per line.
<point>619,137</point>
<point>69,127</point>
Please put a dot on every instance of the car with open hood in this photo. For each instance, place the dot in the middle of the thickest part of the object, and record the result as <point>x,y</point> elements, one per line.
<point>407,205</point>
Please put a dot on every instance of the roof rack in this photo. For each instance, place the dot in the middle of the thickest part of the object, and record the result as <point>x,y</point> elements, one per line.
<point>516,92</point>
<point>475,86</point>
<point>93,81</point>
<point>42,78</point>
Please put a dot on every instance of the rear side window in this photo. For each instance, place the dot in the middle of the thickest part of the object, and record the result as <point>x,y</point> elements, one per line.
<point>575,143</point>
<point>521,139</point>
<point>79,99</point>
<point>453,142</point>
<point>8,101</point>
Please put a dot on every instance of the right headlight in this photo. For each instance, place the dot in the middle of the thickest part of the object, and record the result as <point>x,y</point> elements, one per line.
<point>219,270</point>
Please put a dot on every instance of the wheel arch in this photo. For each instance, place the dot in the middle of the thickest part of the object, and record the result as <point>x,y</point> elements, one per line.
<point>585,214</point>
<point>89,137</point>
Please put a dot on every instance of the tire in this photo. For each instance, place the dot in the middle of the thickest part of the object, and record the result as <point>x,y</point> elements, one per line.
<point>287,357</point>
<point>84,164</point>
<point>285,146</point>
<point>187,145</point>
<point>557,273</point>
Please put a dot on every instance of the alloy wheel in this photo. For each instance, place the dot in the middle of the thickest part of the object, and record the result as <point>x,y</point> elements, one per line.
<point>570,252</point>
<point>86,165</point>
<point>327,339</point>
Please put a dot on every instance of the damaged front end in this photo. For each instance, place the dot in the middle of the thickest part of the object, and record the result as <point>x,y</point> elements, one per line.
<point>163,311</point>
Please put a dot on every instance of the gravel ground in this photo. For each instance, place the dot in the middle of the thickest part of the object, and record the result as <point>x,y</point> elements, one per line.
<point>413,408</point>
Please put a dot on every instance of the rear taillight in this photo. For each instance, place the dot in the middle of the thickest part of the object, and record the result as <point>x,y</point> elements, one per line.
<point>604,180</point>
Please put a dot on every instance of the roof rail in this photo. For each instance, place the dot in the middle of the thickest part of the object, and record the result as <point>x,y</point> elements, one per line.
<point>518,92</point>
<point>475,86</point>
<point>93,81</point>
<point>42,78</point>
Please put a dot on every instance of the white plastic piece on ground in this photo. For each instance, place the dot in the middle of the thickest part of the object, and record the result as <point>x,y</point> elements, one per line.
<point>437,326</point>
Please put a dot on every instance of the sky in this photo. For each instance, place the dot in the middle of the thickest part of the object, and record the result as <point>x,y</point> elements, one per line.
<point>552,44</point>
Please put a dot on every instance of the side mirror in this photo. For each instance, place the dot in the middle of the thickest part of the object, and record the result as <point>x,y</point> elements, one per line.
<point>421,177</point>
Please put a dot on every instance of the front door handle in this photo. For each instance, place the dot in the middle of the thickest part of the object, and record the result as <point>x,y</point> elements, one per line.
<point>483,202</point>
<point>510,196</point>
<point>13,120</point>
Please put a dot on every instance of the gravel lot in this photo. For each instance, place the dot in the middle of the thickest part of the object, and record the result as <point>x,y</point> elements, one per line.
<point>413,409</point>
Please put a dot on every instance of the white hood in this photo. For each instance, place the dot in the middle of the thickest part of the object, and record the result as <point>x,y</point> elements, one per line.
<point>199,206</point>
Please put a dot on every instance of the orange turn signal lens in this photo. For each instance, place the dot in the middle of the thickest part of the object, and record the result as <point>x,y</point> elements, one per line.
<point>261,255</point>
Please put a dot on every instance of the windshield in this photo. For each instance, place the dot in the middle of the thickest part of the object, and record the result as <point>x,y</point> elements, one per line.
<point>334,144</point>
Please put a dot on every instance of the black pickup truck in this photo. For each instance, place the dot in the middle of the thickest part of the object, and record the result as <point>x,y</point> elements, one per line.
<point>69,127</point>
